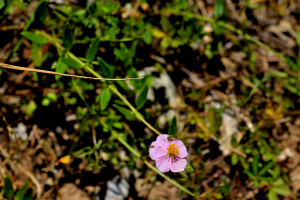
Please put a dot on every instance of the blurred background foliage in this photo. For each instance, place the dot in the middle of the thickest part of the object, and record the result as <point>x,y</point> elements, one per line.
<point>229,75</point>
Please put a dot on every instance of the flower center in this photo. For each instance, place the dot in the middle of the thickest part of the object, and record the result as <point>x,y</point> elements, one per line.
<point>172,150</point>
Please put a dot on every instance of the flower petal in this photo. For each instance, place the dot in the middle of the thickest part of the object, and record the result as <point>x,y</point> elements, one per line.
<point>178,166</point>
<point>156,150</point>
<point>163,140</point>
<point>183,151</point>
<point>163,163</point>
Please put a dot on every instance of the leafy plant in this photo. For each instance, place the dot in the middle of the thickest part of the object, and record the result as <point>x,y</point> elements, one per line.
<point>104,40</point>
<point>24,193</point>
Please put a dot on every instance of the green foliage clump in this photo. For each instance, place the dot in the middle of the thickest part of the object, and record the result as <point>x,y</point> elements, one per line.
<point>24,193</point>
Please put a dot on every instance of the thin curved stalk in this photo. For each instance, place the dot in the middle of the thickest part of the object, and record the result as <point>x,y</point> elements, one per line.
<point>168,179</point>
<point>137,154</point>
<point>133,110</point>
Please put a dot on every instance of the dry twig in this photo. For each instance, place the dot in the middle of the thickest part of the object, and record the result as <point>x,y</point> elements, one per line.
<point>2,65</point>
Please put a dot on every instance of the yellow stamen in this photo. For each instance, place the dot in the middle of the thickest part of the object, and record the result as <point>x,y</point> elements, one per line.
<point>172,150</point>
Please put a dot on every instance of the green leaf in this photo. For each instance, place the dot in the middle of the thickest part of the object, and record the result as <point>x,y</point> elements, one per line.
<point>83,152</point>
<point>188,168</point>
<point>147,36</point>
<point>142,98</point>
<point>289,87</point>
<point>31,107</point>
<point>158,33</point>
<point>268,179</point>
<point>123,85</point>
<point>119,102</point>
<point>60,68</point>
<point>37,54</point>
<point>132,73</point>
<point>219,8</point>
<point>119,54</point>
<point>124,111</point>
<point>123,47</point>
<point>21,194</point>
<point>278,182</point>
<point>183,174</point>
<point>40,13</point>
<point>67,36</point>
<point>283,189</point>
<point>92,51</point>
<point>34,37</point>
<point>249,173</point>
<point>173,127</point>
<point>8,188</point>
<point>256,84</point>
<point>265,168</point>
<point>46,102</point>
<point>71,63</point>
<point>244,162</point>
<point>107,73</point>
<point>165,42</point>
<point>2,4</point>
<point>28,195</point>
<point>52,96</point>
<point>117,125</point>
<point>276,171</point>
<point>254,164</point>
<point>105,98</point>
<point>234,159</point>
<point>292,61</point>
<point>272,195</point>
<point>255,183</point>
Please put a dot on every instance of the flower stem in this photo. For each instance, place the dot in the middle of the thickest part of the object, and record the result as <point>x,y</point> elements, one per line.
<point>168,179</point>
<point>154,168</point>
<point>133,109</point>
<point>119,137</point>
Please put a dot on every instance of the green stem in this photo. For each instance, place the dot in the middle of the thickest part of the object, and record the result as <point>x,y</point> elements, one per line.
<point>119,137</point>
<point>154,168</point>
<point>80,94</point>
<point>113,89</point>
<point>168,179</point>
<point>70,55</point>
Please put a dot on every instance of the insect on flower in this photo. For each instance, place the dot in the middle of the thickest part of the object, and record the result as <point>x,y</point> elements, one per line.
<point>171,138</point>
<point>169,153</point>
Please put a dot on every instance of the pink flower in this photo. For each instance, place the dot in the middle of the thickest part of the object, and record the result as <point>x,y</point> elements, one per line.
<point>169,154</point>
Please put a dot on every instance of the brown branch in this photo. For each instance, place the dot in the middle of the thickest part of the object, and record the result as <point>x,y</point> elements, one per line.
<point>56,73</point>
<point>217,80</point>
